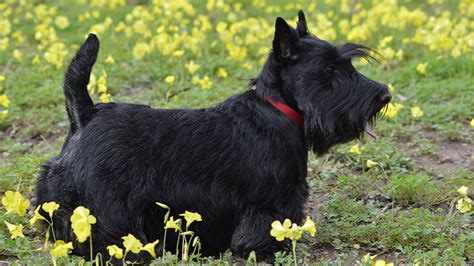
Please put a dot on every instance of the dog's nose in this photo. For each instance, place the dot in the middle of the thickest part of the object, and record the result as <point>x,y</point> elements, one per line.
<point>386,97</point>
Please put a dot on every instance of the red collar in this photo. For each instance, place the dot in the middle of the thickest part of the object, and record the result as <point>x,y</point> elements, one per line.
<point>288,111</point>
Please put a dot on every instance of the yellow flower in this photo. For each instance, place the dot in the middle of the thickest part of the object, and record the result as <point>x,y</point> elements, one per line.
<point>4,43</point>
<point>464,204</point>
<point>472,122</point>
<point>222,73</point>
<point>309,226</point>
<point>131,243</point>
<point>416,112</point>
<point>115,251</point>
<point>172,224</point>
<point>150,248</point>
<point>280,231</point>
<point>101,87</point>
<point>195,80</point>
<point>36,60</point>
<point>62,22</point>
<point>140,27</point>
<point>164,206</point>
<point>17,55</point>
<point>191,217</point>
<point>50,207</point>
<point>60,248</point>
<point>371,163</point>
<point>391,88</point>
<point>4,101</point>
<point>140,50</point>
<point>15,230</point>
<point>2,78</point>
<point>205,83</point>
<point>196,241</point>
<point>104,97</point>
<point>294,232</point>
<point>421,68</point>
<point>110,60</point>
<point>236,52</point>
<point>102,84</point>
<point>191,67</point>
<point>392,109</point>
<point>36,216</point>
<point>81,221</point>
<point>178,53</point>
<point>56,54</point>
<point>92,83</point>
<point>3,114</point>
<point>355,149</point>
<point>169,80</point>
<point>369,259</point>
<point>463,191</point>
<point>5,26</point>
<point>382,263</point>
<point>15,203</point>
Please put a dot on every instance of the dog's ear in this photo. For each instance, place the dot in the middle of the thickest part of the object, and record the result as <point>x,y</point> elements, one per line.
<point>301,26</point>
<point>284,42</point>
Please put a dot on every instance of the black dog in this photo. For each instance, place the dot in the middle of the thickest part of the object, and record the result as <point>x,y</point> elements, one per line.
<point>241,164</point>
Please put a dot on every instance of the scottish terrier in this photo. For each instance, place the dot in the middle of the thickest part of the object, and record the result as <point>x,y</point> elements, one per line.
<point>241,164</point>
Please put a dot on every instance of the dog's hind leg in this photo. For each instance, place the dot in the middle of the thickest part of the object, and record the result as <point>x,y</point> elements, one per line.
<point>253,234</point>
<point>51,186</point>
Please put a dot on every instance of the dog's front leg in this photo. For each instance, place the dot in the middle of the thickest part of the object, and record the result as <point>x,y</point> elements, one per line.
<point>253,234</point>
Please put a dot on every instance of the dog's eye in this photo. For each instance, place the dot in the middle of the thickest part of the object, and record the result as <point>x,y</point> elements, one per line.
<point>331,69</point>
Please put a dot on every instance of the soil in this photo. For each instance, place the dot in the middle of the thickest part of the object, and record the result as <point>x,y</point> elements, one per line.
<point>451,155</point>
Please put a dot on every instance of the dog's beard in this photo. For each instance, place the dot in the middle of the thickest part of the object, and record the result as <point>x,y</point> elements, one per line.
<point>323,129</point>
<point>374,116</point>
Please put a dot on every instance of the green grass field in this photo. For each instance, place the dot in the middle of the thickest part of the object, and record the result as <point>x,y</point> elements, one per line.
<point>192,54</point>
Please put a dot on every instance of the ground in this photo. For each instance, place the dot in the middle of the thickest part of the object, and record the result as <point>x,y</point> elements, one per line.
<point>403,210</point>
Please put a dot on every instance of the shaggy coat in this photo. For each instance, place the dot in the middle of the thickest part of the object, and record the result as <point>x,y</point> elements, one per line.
<point>241,164</point>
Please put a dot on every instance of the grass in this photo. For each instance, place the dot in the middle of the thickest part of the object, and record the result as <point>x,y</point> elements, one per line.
<point>402,210</point>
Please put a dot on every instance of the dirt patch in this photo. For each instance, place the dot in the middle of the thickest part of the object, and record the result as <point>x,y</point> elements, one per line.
<point>454,155</point>
<point>41,142</point>
<point>12,131</point>
<point>315,200</point>
<point>451,155</point>
<point>137,88</point>
<point>323,251</point>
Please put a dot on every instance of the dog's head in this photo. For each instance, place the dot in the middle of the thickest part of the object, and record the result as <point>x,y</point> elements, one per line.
<point>318,79</point>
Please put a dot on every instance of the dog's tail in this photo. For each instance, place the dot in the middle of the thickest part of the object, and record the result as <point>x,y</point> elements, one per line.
<point>79,104</point>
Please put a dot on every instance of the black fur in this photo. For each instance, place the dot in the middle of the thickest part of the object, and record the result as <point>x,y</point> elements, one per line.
<point>241,164</point>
